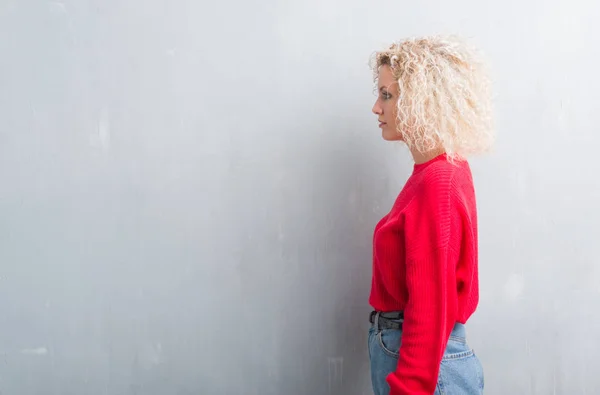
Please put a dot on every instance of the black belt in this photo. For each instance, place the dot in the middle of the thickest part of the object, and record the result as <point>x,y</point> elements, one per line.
<point>387,320</point>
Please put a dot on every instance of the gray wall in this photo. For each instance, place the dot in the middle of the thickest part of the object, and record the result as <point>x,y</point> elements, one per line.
<point>188,191</point>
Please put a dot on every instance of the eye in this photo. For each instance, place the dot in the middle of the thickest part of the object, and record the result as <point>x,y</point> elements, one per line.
<point>386,95</point>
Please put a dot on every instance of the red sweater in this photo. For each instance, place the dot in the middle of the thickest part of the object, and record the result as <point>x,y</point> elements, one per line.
<point>425,263</point>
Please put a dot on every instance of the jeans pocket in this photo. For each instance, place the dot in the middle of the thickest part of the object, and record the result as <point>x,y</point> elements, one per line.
<point>456,349</point>
<point>460,373</point>
<point>389,341</point>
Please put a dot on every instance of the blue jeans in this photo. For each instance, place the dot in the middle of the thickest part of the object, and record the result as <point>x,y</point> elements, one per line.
<point>460,372</point>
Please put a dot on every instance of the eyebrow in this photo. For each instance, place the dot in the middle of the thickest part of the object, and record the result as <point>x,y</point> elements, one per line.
<point>382,88</point>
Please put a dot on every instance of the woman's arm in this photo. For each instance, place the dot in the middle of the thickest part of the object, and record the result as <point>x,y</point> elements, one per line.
<point>433,235</point>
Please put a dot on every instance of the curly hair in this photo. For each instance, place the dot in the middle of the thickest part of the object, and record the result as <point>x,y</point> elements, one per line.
<point>444,94</point>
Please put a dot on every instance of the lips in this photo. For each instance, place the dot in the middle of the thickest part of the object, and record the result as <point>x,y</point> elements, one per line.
<point>381,124</point>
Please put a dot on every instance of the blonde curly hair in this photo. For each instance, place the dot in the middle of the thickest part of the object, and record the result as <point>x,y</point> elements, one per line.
<point>444,94</point>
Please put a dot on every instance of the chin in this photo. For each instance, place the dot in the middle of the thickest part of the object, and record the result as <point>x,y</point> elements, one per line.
<point>391,136</point>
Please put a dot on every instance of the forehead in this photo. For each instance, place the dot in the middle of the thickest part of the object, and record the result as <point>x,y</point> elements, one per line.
<point>385,78</point>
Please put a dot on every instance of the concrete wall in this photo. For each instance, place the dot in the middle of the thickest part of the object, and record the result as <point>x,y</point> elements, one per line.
<point>188,191</point>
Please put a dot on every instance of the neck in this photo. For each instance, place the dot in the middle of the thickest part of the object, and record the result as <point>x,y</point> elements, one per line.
<point>422,157</point>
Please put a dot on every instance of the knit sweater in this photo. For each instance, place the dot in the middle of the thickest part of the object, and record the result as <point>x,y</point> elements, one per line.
<point>425,263</point>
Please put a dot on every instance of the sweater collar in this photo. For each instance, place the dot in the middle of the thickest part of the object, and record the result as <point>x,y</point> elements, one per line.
<point>421,166</point>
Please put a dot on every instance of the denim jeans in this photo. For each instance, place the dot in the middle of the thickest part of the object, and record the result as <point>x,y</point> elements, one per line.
<point>460,371</point>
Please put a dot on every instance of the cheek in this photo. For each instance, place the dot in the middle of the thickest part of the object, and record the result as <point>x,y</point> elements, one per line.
<point>391,110</point>
<point>391,129</point>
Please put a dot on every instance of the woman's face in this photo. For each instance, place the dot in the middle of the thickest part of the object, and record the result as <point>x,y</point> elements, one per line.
<point>385,106</point>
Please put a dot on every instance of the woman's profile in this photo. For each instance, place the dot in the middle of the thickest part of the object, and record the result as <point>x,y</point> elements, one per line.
<point>433,95</point>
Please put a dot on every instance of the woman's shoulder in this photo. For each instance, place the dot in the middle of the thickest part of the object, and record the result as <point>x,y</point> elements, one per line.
<point>442,172</point>
<point>445,178</point>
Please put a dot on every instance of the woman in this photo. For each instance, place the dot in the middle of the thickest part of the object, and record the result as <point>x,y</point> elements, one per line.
<point>433,96</point>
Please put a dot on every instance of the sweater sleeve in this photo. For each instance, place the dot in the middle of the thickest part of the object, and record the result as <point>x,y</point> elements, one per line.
<point>432,235</point>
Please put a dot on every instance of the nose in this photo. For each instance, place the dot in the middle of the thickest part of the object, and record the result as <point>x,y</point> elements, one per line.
<point>377,108</point>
